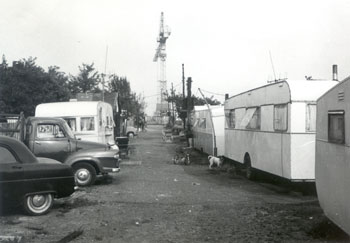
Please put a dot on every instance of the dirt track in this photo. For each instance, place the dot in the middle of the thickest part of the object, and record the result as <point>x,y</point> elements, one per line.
<point>154,200</point>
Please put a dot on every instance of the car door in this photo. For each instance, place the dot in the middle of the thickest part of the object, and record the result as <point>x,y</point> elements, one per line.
<point>11,175</point>
<point>50,141</point>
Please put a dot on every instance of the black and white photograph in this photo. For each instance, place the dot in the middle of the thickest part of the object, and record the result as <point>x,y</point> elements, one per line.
<point>174,121</point>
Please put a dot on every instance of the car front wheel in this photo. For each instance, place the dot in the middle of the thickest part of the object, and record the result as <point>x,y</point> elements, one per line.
<point>38,204</point>
<point>84,174</point>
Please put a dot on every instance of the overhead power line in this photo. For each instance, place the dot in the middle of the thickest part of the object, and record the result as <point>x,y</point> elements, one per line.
<point>212,92</point>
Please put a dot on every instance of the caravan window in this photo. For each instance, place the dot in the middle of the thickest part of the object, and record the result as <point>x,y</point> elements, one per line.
<point>230,118</point>
<point>196,123</point>
<point>281,117</point>
<point>87,124</point>
<point>252,118</point>
<point>100,116</point>
<point>336,127</point>
<point>202,123</point>
<point>72,123</point>
<point>311,117</point>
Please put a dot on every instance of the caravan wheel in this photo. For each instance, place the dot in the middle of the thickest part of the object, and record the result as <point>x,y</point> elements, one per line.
<point>250,172</point>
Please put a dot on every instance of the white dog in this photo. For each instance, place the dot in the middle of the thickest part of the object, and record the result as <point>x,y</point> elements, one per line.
<point>214,161</point>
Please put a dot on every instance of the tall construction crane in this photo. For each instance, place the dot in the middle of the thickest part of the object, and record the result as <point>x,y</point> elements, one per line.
<point>160,57</point>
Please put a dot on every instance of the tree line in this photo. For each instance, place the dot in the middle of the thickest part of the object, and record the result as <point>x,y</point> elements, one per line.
<point>25,84</point>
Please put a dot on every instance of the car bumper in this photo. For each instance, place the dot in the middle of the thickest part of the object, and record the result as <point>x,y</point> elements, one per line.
<point>111,170</point>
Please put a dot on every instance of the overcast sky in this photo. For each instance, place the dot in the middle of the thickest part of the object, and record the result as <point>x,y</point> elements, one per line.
<point>224,44</point>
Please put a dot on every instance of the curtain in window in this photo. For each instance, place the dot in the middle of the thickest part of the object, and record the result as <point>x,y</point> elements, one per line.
<point>311,118</point>
<point>232,123</point>
<point>254,123</point>
<point>280,119</point>
<point>227,118</point>
<point>87,124</point>
<point>203,123</point>
<point>336,129</point>
<point>196,123</point>
<point>247,117</point>
<point>72,123</point>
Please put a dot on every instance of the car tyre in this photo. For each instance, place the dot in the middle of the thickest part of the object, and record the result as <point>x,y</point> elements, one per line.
<point>38,204</point>
<point>84,174</point>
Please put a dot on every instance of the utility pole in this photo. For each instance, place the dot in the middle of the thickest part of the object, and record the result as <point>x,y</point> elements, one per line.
<point>183,81</point>
<point>103,76</point>
<point>183,94</point>
<point>189,108</point>
<point>172,102</point>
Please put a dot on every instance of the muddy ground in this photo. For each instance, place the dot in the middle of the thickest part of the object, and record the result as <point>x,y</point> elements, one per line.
<point>154,200</point>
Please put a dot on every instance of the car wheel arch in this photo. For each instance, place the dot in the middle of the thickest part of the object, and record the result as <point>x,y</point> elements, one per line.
<point>90,162</point>
<point>54,193</point>
<point>93,163</point>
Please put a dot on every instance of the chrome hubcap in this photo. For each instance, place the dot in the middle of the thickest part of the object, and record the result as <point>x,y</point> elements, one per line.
<point>38,200</point>
<point>83,174</point>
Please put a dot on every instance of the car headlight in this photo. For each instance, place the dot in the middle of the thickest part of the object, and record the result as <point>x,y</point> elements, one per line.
<point>113,146</point>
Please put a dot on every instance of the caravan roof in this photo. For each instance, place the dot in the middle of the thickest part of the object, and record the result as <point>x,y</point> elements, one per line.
<point>73,108</point>
<point>283,92</point>
<point>216,110</point>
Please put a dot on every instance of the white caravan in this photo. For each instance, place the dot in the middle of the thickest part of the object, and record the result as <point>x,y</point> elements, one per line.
<point>333,154</point>
<point>89,120</point>
<point>272,128</point>
<point>204,131</point>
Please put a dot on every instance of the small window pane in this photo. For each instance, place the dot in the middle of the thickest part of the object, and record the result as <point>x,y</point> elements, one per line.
<point>255,120</point>
<point>100,116</point>
<point>227,118</point>
<point>87,124</point>
<point>49,131</point>
<point>280,117</point>
<point>6,156</point>
<point>196,123</point>
<point>72,123</point>
<point>202,123</point>
<point>230,118</point>
<point>248,115</point>
<point>336,128</point>
<point>311,118</point>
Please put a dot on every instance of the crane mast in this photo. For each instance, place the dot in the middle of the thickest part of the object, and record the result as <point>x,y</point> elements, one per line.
<point>160,58</point>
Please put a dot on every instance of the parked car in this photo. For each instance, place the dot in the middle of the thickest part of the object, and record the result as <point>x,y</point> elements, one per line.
<point>130,128</point>
<point>31,181</point>
<point>52,138</point>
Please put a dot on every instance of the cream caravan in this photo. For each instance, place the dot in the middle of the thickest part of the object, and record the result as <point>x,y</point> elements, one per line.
<point>209,125</point>
<point>333,154</point>
<point>89,120</point>
<point>272,128</point>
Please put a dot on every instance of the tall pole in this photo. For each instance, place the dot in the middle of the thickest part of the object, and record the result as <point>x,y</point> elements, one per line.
<point>183,81</point>
<point>172,102</point>
<point>215,149</point>
<point>183,93</point>
<point>103,76</point>
<point>189,107</point>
